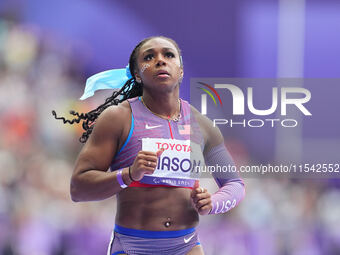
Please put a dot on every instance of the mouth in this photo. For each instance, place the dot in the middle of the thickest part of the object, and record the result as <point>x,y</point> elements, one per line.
<point>162,74</point>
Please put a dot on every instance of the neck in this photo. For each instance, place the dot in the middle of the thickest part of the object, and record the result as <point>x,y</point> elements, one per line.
<point>165,105</point>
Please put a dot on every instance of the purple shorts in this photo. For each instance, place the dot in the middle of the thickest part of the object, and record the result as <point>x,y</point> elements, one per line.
<point>135,241</point>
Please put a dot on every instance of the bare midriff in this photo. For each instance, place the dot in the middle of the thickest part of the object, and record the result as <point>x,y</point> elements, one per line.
<point>156,209</point>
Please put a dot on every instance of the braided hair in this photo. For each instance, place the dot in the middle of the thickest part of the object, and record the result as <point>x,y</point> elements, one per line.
<point>129,90</point>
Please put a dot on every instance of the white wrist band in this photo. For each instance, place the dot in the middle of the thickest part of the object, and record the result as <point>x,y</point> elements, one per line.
<point>120,179</point>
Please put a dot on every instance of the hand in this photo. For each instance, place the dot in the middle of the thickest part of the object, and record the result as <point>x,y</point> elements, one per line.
<point>144,163</point>
<point>201,199</point>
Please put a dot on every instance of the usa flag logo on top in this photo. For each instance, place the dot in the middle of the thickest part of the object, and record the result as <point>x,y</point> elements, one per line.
<point>184,129</point>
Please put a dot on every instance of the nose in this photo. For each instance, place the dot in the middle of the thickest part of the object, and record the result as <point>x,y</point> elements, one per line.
<point>160,60</point>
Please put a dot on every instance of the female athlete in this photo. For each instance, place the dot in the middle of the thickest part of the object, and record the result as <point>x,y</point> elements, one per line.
<point>147,139</point>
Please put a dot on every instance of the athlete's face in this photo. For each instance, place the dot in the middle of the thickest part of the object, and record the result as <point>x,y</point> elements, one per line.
<point>159,65</point>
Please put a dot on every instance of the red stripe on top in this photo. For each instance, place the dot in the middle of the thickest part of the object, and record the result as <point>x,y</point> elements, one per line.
<point>139,184</point>
<point>172,137</point>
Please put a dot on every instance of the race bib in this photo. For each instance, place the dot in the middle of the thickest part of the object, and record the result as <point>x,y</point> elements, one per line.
<point>179,163</point>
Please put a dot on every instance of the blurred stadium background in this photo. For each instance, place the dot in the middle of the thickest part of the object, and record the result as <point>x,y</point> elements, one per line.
<point>49,48</point>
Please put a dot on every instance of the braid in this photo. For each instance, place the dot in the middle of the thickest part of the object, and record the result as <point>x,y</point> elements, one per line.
<point>130,89</point>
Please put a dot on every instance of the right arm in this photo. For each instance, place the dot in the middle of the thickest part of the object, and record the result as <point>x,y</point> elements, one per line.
<point>90,179</point>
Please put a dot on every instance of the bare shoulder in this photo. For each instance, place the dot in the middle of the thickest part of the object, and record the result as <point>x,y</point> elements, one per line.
<point>212,134</point>
<point>116,111</point>
<point>112,120</point>
<point>105,138</point>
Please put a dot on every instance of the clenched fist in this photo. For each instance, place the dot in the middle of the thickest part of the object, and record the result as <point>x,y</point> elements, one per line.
<point>201,199</point>
<point>144,163</point>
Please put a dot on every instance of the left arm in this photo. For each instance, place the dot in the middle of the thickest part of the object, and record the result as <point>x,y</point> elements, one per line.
<point>231,187</point>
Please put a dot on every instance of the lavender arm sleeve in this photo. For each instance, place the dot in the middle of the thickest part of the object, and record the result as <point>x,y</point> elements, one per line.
<point>231,186</point>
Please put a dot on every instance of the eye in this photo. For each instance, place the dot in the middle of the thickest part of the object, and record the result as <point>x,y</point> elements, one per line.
<point>169,55</point>
<point>148,57</point>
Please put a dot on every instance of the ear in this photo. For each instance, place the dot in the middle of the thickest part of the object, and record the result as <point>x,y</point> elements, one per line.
<point>182,73</point>
<point>137,78</point>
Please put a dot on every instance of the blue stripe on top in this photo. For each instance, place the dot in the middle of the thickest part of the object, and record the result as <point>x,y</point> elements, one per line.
<point>130,134</point>
<point>119,253</point>
<point>152,234</point>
